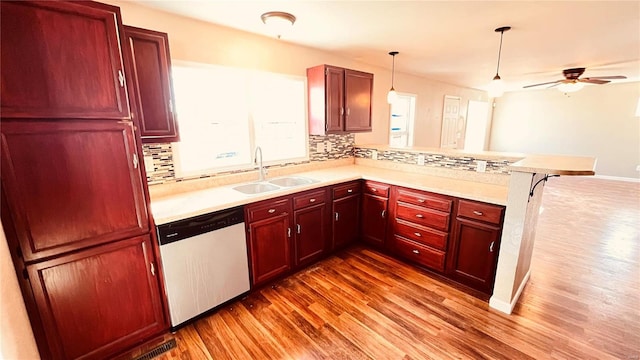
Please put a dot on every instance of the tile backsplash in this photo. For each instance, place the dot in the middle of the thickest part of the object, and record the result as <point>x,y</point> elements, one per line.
<point>332,147</point>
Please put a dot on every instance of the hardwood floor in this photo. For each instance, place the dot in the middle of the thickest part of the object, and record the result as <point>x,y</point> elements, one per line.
<point>582,301</point>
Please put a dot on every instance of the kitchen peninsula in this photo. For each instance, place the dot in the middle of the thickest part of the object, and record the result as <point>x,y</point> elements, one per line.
<point>519,188</point>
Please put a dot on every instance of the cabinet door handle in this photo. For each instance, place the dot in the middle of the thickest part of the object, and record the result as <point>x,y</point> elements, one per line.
<point>374,190</point>
<point>421,201</point>
<point>491,246</point>
<point>288,232</point>
<point>337,216</point>
<point>384,212</point>
<point>271,211</point>
<point>312,200</point>
<point>135,161</point>
<point>416,252</point>
<point>121,78</point>
<point>350,191</point>
<point>341,111</point>
<point>417,234</point>
<point>419,216</point>
<point>299,228</point>
<point>479,213</point>
<point>153,269</point>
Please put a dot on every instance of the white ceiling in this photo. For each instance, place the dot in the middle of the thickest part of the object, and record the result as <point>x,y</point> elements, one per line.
<point>453,41</point>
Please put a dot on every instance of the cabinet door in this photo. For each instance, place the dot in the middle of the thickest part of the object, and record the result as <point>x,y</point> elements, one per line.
<point>151,89</point>
<point>310,239</point>
<point>71,185</point>
<point>475,254</point>
<point>334,93</point>
<point>346,220</point>
<point>374,220</point>
<point>269,248</point>
<point>358,90</point>
<point>61,60</point>
<point>98,301</point>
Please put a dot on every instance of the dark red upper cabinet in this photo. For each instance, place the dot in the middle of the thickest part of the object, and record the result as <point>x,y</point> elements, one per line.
<point>70,184</point>
<point>72,66</point>
<point>150,84</point>
<point>339,100</point>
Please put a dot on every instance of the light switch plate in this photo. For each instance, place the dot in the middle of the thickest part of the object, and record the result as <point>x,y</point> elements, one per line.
<point>374,154</point>
<point>420,159</point>
<point>148,163</point>
<point>327,146</point>
<point>481,166</point>
<point>320,147</point>
<point>638,168</point>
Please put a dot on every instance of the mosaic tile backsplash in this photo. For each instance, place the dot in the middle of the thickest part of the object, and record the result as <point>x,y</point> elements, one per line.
<point>467,163</point>
<point>341,147</point>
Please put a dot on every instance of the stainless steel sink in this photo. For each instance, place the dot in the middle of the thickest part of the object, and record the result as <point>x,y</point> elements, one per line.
<point>292,181</point>
<point>255,188</point>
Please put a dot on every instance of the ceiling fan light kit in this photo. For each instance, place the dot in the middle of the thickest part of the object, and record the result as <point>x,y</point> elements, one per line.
<point>278,22</point>
<point>496,87</point>
<point>392,95</point>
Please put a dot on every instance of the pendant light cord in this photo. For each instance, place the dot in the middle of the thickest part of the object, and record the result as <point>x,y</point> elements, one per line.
<point>393,70</point>
<point>499,53</point>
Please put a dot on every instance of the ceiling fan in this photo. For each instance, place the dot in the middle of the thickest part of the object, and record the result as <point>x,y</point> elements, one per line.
<point>573,82</point>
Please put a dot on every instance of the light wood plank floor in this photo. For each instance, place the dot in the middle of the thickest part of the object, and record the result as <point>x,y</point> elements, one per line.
<point>582,301</point>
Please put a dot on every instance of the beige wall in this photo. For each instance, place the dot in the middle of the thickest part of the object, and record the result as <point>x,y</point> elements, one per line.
<point>193,40</point>
<point>16,337</point>
<point>598,120</point>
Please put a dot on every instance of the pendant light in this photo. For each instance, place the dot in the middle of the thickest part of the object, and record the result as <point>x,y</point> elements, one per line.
<point>392,95</point>
<point>496,87</point>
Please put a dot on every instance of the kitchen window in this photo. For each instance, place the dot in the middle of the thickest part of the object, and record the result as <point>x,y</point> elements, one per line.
<point>224,113</point>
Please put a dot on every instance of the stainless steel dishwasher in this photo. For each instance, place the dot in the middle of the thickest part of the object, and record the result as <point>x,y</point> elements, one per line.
<point>204,261</point>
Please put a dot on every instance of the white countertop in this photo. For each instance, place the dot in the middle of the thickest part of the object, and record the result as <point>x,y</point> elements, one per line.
<point>184,205</point>
<point>556,164</point>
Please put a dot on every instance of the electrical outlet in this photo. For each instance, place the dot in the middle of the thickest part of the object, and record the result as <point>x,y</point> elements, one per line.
<point>374,154</point>
<point>420,159</point>
<point>320,148</point>
<point>481,166</point>
<point>148,163</point>
<point>327,146</point>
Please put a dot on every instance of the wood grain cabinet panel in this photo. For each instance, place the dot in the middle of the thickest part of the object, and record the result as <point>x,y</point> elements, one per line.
<point>151,88</point>
<point>71,185</point>
<point>375,204</point>
<point>98,301</point>
<point>62,60</point>
<point>339,100</point>
<point>346,221</point>
<point>311,233</point>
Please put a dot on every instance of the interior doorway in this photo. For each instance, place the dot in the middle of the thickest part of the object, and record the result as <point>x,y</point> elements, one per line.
<point>402,119</point>
<point>477,122</point>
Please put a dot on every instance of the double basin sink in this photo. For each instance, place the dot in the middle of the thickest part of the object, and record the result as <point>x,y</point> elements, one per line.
<point>275,184</point>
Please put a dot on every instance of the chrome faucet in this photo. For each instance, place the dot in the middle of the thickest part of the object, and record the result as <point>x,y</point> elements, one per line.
<point>261,169</point>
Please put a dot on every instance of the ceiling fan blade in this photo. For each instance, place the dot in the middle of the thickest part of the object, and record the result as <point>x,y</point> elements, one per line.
<point>593,81</point>
<point>606,77</point>
<point>546,83</point>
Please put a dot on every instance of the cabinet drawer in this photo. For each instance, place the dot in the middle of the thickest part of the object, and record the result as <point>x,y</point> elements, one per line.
<point>435,239</point>
<point>420,254</point>
<point>480,211</point>
<point>309,198</point>
<point>347,189</point>
<point>423,199</point>
<point>377,189</point>
<point>266,210</point>
<point>421,216</point>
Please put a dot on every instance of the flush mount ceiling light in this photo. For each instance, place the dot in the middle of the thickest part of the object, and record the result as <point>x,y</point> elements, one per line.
<point>496,88</point>
<point>278,22</point>
<point>392,95</point>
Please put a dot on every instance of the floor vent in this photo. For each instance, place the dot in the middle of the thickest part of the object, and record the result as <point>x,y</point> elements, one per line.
<point>158,350</point>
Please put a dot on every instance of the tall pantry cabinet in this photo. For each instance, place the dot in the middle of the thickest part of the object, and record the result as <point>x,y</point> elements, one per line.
<point>74,200</point>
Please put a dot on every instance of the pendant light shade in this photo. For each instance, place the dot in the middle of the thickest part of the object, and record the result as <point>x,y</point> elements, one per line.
<point>392,95</point>
<point>496,87</point>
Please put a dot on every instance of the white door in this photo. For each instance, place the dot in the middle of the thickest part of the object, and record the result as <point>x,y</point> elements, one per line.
<point>477,119</point>
<point>450,126</point>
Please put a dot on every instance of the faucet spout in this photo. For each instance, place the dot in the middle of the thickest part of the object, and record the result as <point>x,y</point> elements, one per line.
<point>261,170</point>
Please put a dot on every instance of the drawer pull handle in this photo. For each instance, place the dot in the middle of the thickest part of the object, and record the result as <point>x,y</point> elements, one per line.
<point>421,201</point>
<point>271,211</point>
<point>419,216</point>
<point>491,246</point>
<point>350,191</point>
<point>312,200</point>
<point>417,234</point>
<point>479,213</point>
<point>384,212</point>
<point>374,190</point>
<point>337,216</point>
<point>416,252</point>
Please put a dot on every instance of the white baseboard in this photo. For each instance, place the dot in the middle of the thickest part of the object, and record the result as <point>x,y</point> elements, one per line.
<point>617,178</point>
<point>504,306</point>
